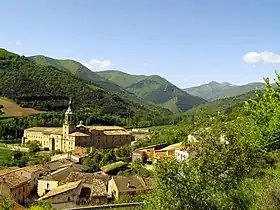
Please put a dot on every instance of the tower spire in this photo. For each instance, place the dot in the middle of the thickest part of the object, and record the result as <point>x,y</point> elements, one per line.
<point>69,111</point>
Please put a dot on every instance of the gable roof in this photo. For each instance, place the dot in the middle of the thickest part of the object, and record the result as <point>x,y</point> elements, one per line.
<point>135,183</point>
<point>46,130</point>
<point>104,128</point>
<point>13,179</point>
<point>61,189</point>
<point>62,173</point>
<point>98,182</point>
<point>57,164</point>
<point>86,177</point>
<point>7,170</point>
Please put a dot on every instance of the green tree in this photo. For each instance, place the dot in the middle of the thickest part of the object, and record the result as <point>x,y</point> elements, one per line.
<point>34,146</point>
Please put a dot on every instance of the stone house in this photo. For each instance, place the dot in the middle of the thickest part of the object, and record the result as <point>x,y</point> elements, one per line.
<point>122,185</point>
<point>19,183</point>
<point>168,151</point>
<point>144,153</point>
<point>64,196</point>
<point>52,180</point>
<point>94,185</point>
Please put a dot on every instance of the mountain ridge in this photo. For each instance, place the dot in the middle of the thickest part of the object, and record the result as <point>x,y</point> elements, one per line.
<point>155,89</point>
<point>214,90</point>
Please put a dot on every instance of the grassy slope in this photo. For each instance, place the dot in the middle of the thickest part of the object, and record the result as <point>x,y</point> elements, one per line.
<point>47,88</point>
<point>13,109</point>
<point>121,78</point>
<point>154,89</point>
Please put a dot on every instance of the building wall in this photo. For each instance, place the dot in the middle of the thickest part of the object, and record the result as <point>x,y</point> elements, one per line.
<point>96,139</point>
<point>21,192</point>
<point>112,189</point>
<point>68,198</point>
<point>44,185</point>
<point>181,155</point>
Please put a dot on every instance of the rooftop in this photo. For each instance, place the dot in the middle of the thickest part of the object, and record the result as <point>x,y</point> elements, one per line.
<point>116,132</point>
<point>62,173</point>
<point>7,170</point>
<point>61,189</point>
<point>98,182</point>
<point>86,177</point>
<point>172,147</point>
<point>135,183</point>
<point>78,134</point>
<point>13,179</point>
<point>46,130</point>
<point>105,128</point>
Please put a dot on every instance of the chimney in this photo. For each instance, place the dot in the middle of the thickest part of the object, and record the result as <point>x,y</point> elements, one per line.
<point>128,184</point>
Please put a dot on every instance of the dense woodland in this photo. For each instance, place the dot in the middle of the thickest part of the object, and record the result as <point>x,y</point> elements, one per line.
<point>48,89</point>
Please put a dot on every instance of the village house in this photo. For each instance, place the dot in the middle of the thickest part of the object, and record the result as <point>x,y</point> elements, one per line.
<point>53,179</point>
<point>70,136</point>
<point>122,185</point>
<point>64,196</point>
<point>142,154</point>
<point>168,151</point>
<point>19,183</point>
<point>79,188</point>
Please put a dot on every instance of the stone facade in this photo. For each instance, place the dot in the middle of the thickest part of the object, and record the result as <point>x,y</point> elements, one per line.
<point>71,136</point>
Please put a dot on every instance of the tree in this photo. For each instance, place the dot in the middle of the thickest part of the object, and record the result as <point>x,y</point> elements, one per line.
<point>34,146</point>
<point>7,203</point>
<point>214,178</point>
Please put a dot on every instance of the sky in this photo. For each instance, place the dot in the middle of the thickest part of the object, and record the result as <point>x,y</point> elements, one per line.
<point>189,42</point>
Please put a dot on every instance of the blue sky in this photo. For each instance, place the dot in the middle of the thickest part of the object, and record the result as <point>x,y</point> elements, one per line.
<point>189,42</point>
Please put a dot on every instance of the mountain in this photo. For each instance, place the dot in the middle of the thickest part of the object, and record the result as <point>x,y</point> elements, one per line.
<point>78,70</point>
<point>222,105</point>
<point>48,88</point>
<point>215,90</point>
<point>154,89</point>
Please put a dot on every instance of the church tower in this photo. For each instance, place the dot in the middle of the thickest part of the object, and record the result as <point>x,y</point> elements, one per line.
<point>68,125</point>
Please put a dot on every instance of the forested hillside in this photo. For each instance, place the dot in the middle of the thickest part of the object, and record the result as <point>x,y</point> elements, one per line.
<point>48,89</point>
<point>154,89</point>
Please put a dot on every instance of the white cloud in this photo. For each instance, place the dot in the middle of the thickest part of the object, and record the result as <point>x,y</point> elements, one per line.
<point>18,43</point>
<point>186,80</point>
<point>98,64</point>
<point>145,64</point>
<point>265,57</point>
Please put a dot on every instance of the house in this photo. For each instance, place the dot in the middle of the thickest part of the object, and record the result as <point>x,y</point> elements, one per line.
<point>78,188</point>
<point>70,136</point>
<point>64,196</point>
<point>52,180</point>
<point>95,184</point>
<point>19,183</point>
<point>122,185</point>
<point>168,151</point>
<point>144,153</point>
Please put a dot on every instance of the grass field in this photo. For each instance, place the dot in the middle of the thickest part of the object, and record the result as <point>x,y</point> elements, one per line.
<point>4,153</point>
<point>11,109</point>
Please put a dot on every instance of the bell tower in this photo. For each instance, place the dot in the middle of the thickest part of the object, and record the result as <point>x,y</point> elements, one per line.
<point>68,125</point>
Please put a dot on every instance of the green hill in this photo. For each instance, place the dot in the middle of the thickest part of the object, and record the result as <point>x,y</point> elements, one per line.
<point>121,78</point>
<point>47,88</point>
<point>154,89</point>
<point>214,90</point>
<point>222,105</point>
<point>80,71</point>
